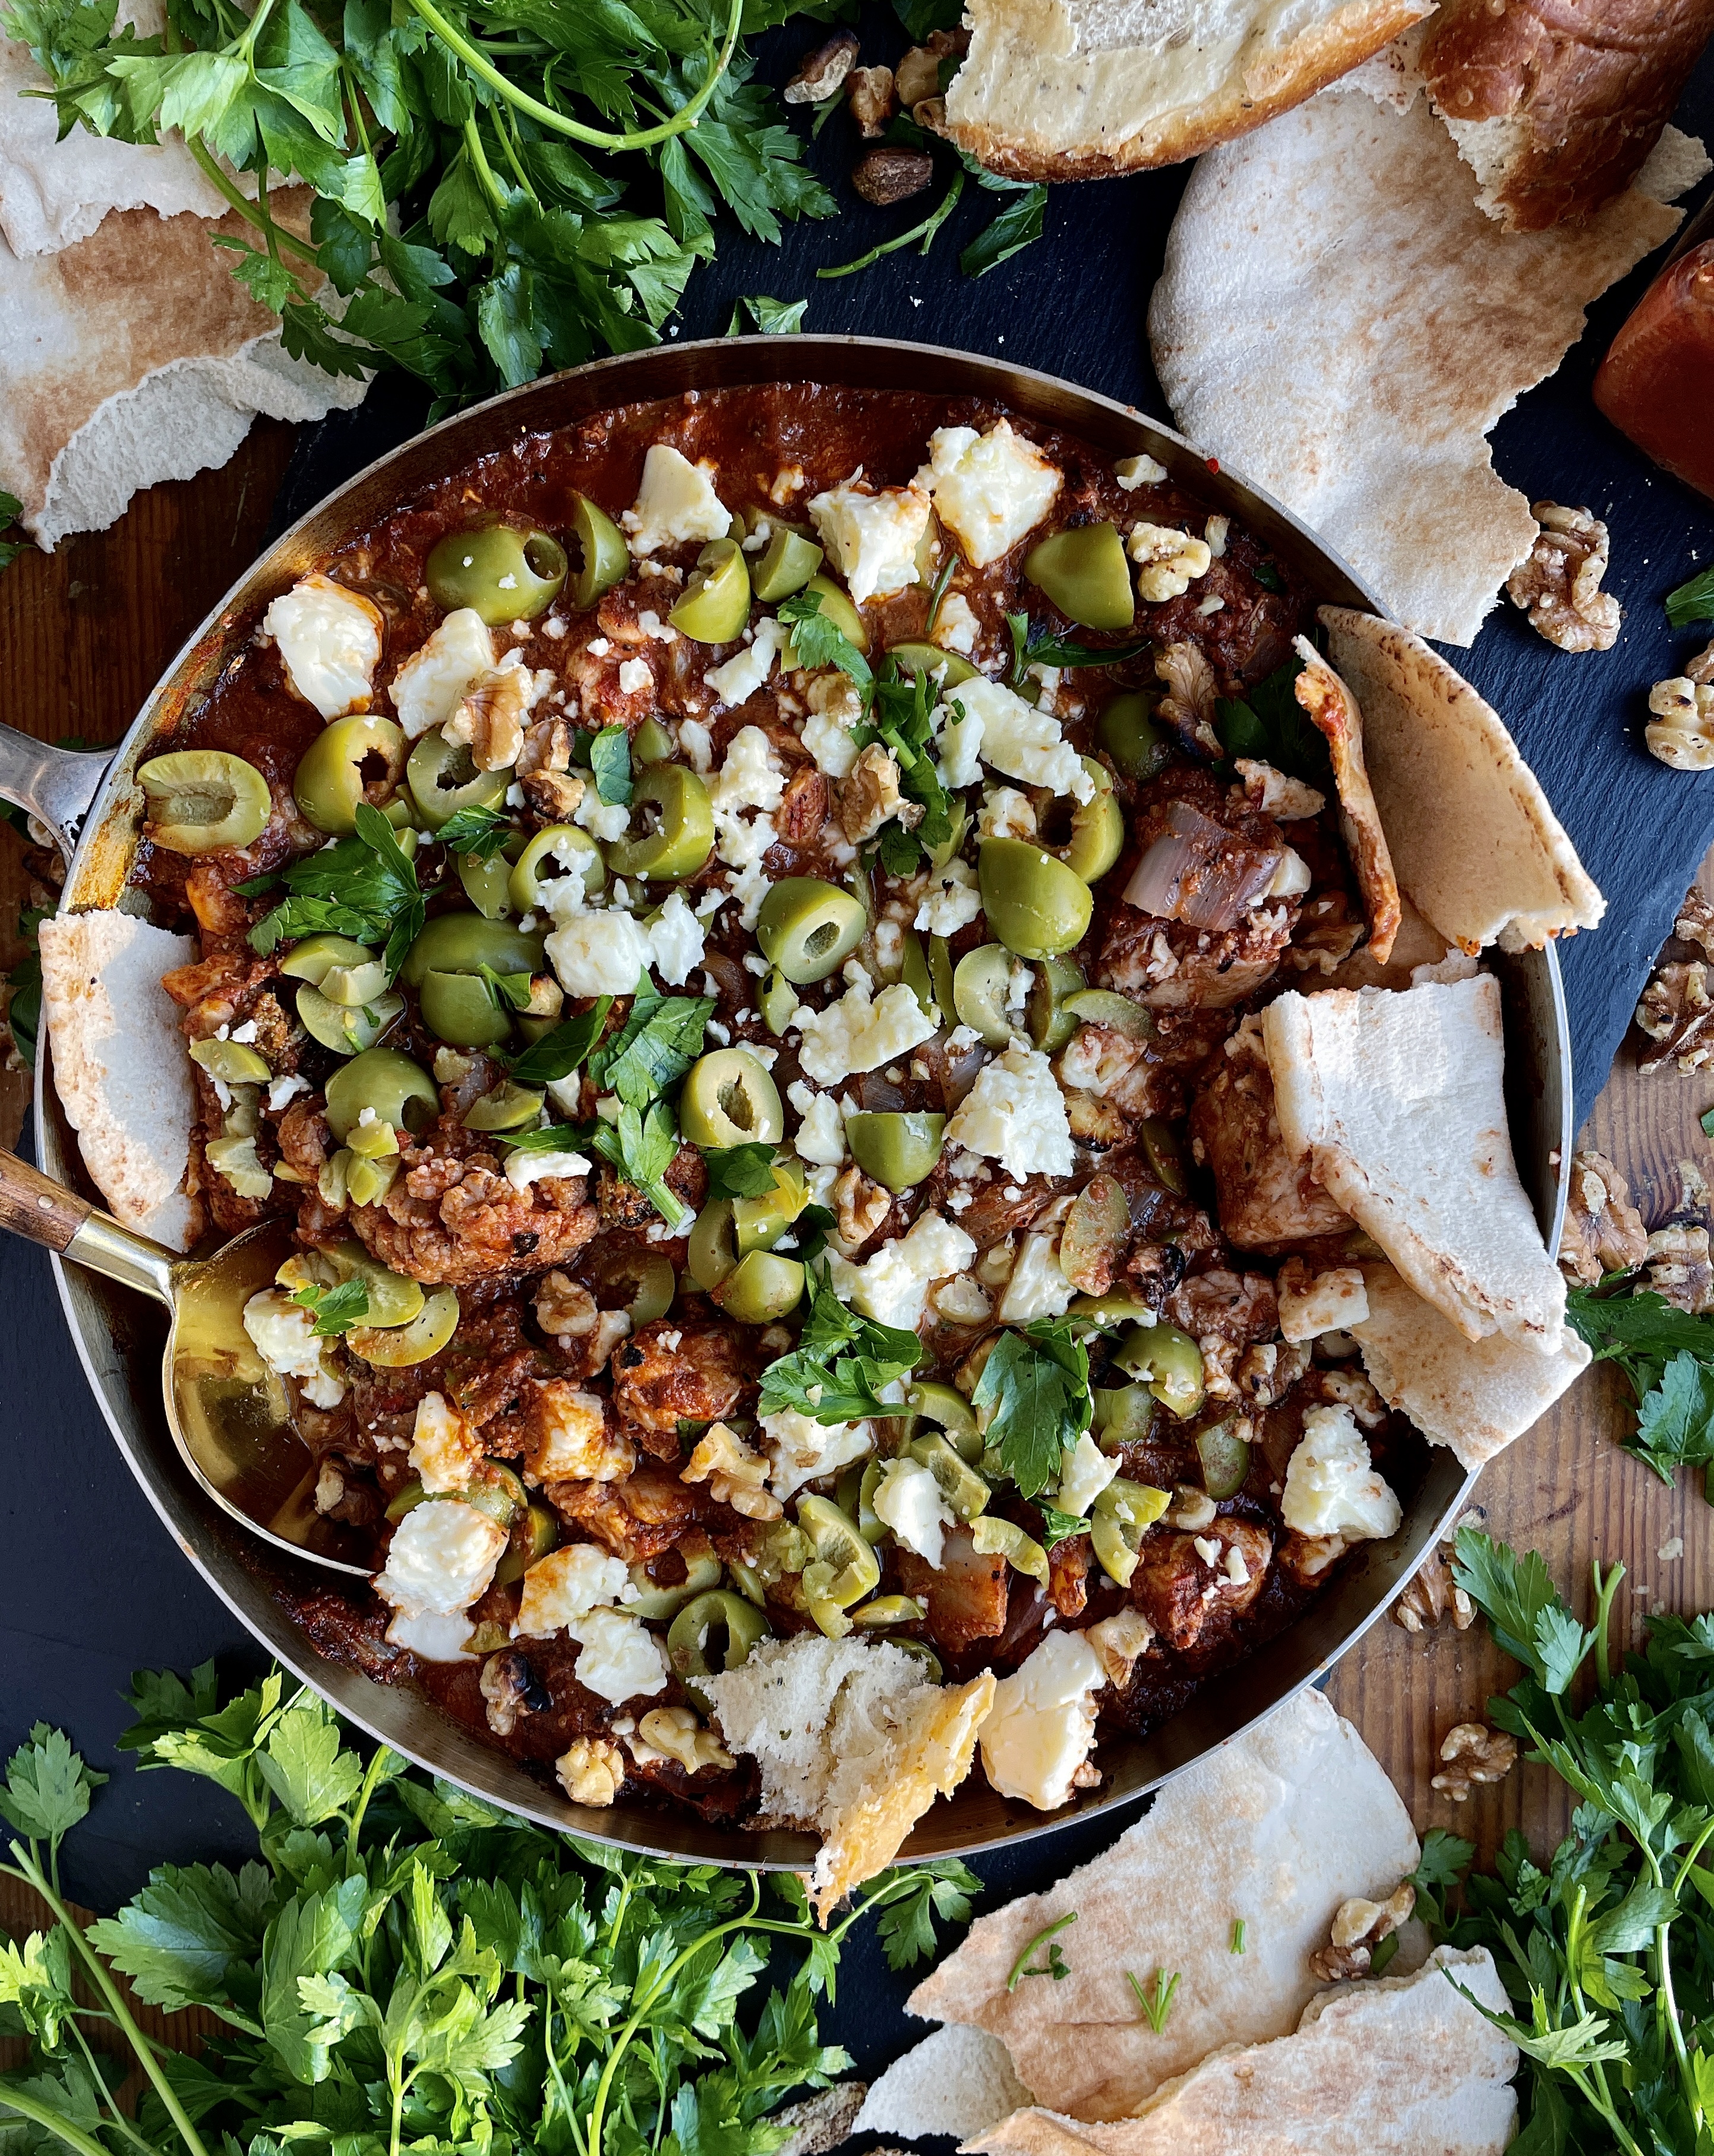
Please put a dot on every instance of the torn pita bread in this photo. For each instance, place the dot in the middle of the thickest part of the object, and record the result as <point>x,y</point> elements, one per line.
<point>136,356</point>
<point>1477,847</point>
<point>1397,1102</point>
<point>1472,1396</point>
<point>1336,713</point>
<point>1339,322</point>
<point>119,1065</point>
<point>1077,89</point>
<point>1276,1828</point>
<point>1399,2066</point>
<point>957,2080</point>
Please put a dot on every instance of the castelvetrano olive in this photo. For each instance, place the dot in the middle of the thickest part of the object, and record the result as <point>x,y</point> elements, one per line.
<point>1035,904</point>
<point>350,761</point>
<point>554,851</point>
<point>442,778</point>
<point>671,832</point>
<point>465,943</point>
<point>787,563</point>
<point>503,572</point>
<point>1097,828</point>
<point>716,601</point>
<point>347,1028</point>
<point>981,994</point>
<point>761,1288</point>
<point>1127,731</point>
<point>462,1009</point>
<point>1084,572</point>
<point>729,1099</point>
<point>399,1091</point>
<point>896,1148</point>
<point>604,559</point>
<point>808,928</point>
<point>202,800</point>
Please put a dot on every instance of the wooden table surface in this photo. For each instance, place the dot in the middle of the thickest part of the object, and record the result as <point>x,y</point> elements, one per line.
<point>84,634</point>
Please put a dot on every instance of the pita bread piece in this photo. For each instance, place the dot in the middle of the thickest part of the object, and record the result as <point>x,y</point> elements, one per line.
<point>136,356</point>
<point>1334,709</point>
<point>1398,1102</point>
<point>1276,1828</point>
<point>119,1065</point>
<point>957,2080</point>
<point>1472,1396</point>
<point>1399,2066</point>
<point>1338,321</point>
<point>1474,839</point>
<point>1077,89</point>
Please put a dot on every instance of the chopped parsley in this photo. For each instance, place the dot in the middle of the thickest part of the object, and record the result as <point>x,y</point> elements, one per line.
<point>1237,1945</point>
<point>559,1053</point>
<point>1058,1526</point>
<point>474,830</point>
<point>819,642</point>
<point>842,1364</point>
<point>335,1310</point>
<point>1055,1965</point>
<point>1017,225</point>
<point>1034,1390</point>
<point>900,721</point>
<point>659,1041</point>
<point>1691,602</point>
<point>741,1171</point>
<point>1033,646</point>
<point>363,886</point>
<point>610,765</point>
<point>11,508</point>
<point>1272,726</point>
<point>1158,2008</point>
<point>643,1144</point>
<point>1667,1356</point>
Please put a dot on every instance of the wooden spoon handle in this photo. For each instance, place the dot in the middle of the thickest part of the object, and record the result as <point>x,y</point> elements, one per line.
<point>39,1210</point>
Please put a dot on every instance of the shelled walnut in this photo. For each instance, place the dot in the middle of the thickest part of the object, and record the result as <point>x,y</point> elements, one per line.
<point>1680,728</point>
<point>1432,1595</point>
<point>1558,586</point>
<point>1604,1231</point>
<point>1677,1014</point>
<point>1358,1928</point>
<point>1471,1753</point>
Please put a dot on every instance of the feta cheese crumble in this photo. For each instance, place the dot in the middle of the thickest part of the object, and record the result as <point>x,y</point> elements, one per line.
<point>1086,1473</point>
<point>872,537</point>
<point>1331,1488</point>
<point>990,488</point>
<point>1015,1114</point>
<point>437,677</point>
<point>566,1585</point>
<point>283,1335</point>
<point>820,1136</point>
<point>908,1500</point>
<point>801,1450</point>
<point>1020,740</point>
<point>621,1659</point>
<point>675,504</point>
<point>857,1034</point>
<point>834,708</point>
<point>955,626</point>
<point>446,1447</point>
<point>893,1287</point>
<point>1037,1287</point>
<point>329,641</point>
<point>746,671</point>
<point>950,901</point>
<point>441,1557</point>
<point>1041,1727</point>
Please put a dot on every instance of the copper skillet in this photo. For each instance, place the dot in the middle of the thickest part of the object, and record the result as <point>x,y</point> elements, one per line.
<point>93,805</point>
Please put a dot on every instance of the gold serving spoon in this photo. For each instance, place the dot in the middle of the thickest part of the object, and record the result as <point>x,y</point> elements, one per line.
<point>229,1413</point>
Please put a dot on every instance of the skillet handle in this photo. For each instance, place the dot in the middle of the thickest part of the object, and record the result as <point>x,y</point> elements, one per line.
<point>55,785</point>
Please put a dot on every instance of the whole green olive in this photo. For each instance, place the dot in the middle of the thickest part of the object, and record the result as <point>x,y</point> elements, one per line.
<point>346,1029</point>
<point>552,849</point>
<point>729,1099</point>
<point>350,761</point>
<point>604,559</point>
<point>505,572</point>
<point>672,827</point>
<point>1051,1025</point>
<point>1035,904</point>
<point>400,1091</point>
<point>1084,572</point>
<point>980,990</point>
<point>653,1600</point>
<point>716,601</point>
<point>787,563</point>
<point>464,942</point>
<point>462,1009</point>
<point>1223,1456</point>
<point>836,606</point>
<point>1096,1230</point>
<point>761,1288</point>
<point>202,801</point>
<point>442,779</point>
<point>895,1148</point>
<point>949,668</point>
<point>1127,731</point>
<point>487,884</point>
<point>808,928</point>
<point>1097,828</point>
<point>712,1250</point>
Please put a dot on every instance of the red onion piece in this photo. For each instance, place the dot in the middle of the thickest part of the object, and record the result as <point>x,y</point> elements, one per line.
<point>1200,873</point>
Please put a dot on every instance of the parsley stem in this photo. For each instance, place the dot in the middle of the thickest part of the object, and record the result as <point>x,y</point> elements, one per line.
<point>479,159</point>
<point>924,232</point>
<point>598,138</point>
<point>246,209</point>
<point>61,2128</point>
<point>1041,1939</point>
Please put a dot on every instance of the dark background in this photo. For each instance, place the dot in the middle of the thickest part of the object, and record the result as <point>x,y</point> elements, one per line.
<point>91,1585</point>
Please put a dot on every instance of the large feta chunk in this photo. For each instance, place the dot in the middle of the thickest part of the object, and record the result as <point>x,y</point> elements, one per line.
<point>1021,740</point>
<point>834,708</point>
<point>566,1585</point>
<point>1331,1489</point>
<point>745,672</point>
<point>908,1500</point>
<point>329,641</point>
<point>1015,1114</point>
<point>958,734</point>
<point>820,1137</point>
<point>872,537</point>
<point>441,1557</point>
<point>283,1335</point>
<point>1037,1287</point>
<point>990,488</point>
<point>437,677</point>
<point>675,504</point>
<point>1041,1727</point>
<point>620,1660</point>
<point>600,953</point>
<point>522,1169</point>
<point>893,1287</point>
<point>569,1439</point>
<point>1086,1474</point>
<point>801,1450</point>
<point>1335,1300</point>
<point>446,1447</point>
<point>857,1034</point>
<point>434,1636</point>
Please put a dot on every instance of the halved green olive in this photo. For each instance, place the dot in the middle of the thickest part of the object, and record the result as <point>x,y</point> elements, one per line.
<point>996,1537</point>
<point>980,988</point>
<point>1106,1007</point>
<point>1096,1230</point>
<point>464,942</point>
<point>506,572</point>
<point>1169,1362</point>
<point>914,972</point>
<point>730,1100</point>
<point>1124,1413</point>
<point>1097,828</point>
<point>1051,1025</point>
<point>947,1405</point>
<point>958,816</point>
<point>1224,1457</point>
<point>761,1288</point>
<point>787,563</point>
<point>1127,731</point>
<point>1118,1306</point>
<point>958,1483</point>
<point>487,884</point>
<point>939,971</point>
<point>716,601</point>
<point>397,1347</point>
<point>231,1061</point>
<point>639,1281</point>
<point>1118,1520</point>
<point>671,832</point>
<point>348,1029</point>
<point>350,761</point>
<point>758,1223</point>
<point>400,1091</point>
<point>777,1001</point>
<point>652,1601</point>
<point>836,606</point>
<point>1165,1156</point>
<point>312,959</point>
<point>531,1538</point>
<point>1035,904</point>
<point>549,852</point>
<point>202,800</point>
<point>1084,572</point>
<point>442,778</point>
<point>462,1009</point>
<point>808,928</point>
<point>951,667</point>
<point>507,1106</point>
<point>712,1250</point>
<point>651,743</point>
<point>688,1636</point>
<point>896,1148</point>
<point>604,559</point>
<point>354,987</point>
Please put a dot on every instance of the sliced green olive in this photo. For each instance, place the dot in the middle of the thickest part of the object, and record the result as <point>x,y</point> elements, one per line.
<point>375,1140</point>
<point>396,1348</point>
<point>496,1489</point>
<point>531,1538</point>
<point>836,606</point>
<point>539,866</point>
<point>712,1250</point>
<point>1127,731</point>
<point>394,1298</point>
<point>1224,1457</point>
<point>231,1061</point>
<point>604,559</point>
<point>1096,1230</point>
<point>777,1001</point>
<point>505,572</point>
<point>896,1148</point>
<point>639,1281</point>
<point>354,987</point>
<point>671,832</point>
<point>730,1100</point>
<point>350,761</point>
<point>442,779</point>
<point>996,1537</point>
<point>856,1489</point>
<point>1051,1025</point>
<point>914,972</point>
<point>958,816</point>
<point>464,942</point>
<point>487,884</point>
<point>940,972</point>
<point>854,1569</point>
<point>1118,1306</point>
<point>1164,1155</point>
<point>400,1091</point>
<point>761,1288</point>
<point>950,667</point>
<point>716,601</point>
<point>652,1601</point>
<point>1169,1362</point>
<point>407,1500</point>
<point>311,960</point>
<point>347,1029</point>
<point>889,1609</point>
<point>787,563</point>
<point>1035,904</point>
<point>1124,1414</point>
<point>1097,828</point>
<point>506,1107</point>
<point>808,928</point>
<point>202,800</point>
<point>1105,1007</point>
<point>958,1483</point>
<point>1084,572</point>
<point>980,988</point>
<point>691,1632</point>
<point>462,1009</point>
<point>1118,1520</point>
<point>947,1405</point>
<point>651,743</point>
<point>758,1223</point>
<point>234,1160</point>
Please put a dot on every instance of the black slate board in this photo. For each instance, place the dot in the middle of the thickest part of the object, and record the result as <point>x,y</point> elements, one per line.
<point>93,1586</point>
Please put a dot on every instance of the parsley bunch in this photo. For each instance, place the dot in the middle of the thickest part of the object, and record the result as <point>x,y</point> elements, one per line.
<point>1667,1356</point>
<point>842,1364</point>
<point>405,1966</point>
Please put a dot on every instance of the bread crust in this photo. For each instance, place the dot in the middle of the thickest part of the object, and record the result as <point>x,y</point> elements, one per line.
<point>1580,90</point>
<point>1317,57</point>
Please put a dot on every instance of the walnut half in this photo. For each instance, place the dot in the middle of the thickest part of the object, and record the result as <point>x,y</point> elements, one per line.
<point>1470,1753</point>
<point>1358,1928</point>
<point>1677,1014</point>
<point>1558,584</point>
<point>1432,1594</point>
<point>592,1772</point>
<point>1680,728</point>
<point>1604,1231</point>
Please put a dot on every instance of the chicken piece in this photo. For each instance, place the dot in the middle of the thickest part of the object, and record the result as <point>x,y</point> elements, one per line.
<point>638,1518</point>
<point>966,1593</point>
<point>1184,1584</point>
<point>451,1218</point>
<point>1235,1307</point>
<point>668,1374</point>
<point>1266,1201</point>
